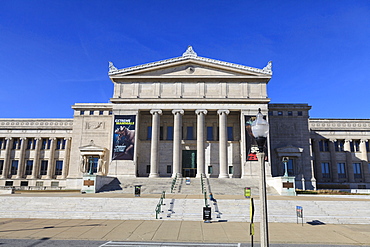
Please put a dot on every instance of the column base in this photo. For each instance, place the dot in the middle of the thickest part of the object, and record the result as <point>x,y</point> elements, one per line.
<point>223,176</point>
<point>153,175</point>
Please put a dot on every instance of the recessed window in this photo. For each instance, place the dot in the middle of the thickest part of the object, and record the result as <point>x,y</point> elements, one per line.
<point>101,112</point>
<point>280,113</point>
<point>14,167</point>
<point>209,133</point>
<point>290,113</point>
<point>58,167</point>
<point>55,184</point>
<point>230,134</point>
<point>110,112</point>
<point>210,169</point>
<point>148,169</point>
<point>8,183</point>
<point>91,112</point>
<point>24,183</point>
<point>300,113</point>
<point>357,170</point>
<point>1,166</point>
<point>29,167</point>
<point>149,133</point>
<point>169,169</point>
<point>325,171</point>
<point>341,170</point>
<point>324,146</point>
<point>169,132</point>
<point>82,112</point>
<point>339,146</point>
<point>231,170</point>
<point>189,133</point>
<point>44,167</point>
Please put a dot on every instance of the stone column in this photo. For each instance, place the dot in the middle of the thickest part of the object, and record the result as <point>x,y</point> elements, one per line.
<point>365,162</point>
<point>177,137</point>
<point>333,160</point>
<point>67,152</point>
<point>200,142</point>
<point>9,144</point>
<point>21,165</point>
<point>36,160</point>
<point>347,150</point>
<point>223,143</point>
<point>51,165</point>
<point>154,157</point>
<point>316,151</point>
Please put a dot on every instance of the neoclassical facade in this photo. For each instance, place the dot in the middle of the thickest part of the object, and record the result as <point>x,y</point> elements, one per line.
<point>186,116</point>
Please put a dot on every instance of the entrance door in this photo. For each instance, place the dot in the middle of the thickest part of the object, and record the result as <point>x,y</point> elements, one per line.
<point>189,163</point>
<point>92,164</point>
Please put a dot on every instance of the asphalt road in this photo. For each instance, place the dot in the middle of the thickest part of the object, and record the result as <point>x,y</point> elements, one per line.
<point>45,242</point>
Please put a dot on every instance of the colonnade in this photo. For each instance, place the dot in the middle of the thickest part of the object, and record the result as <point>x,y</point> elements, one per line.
<point>348,158</point>
<point>36,149</point>
<point>177,137</point>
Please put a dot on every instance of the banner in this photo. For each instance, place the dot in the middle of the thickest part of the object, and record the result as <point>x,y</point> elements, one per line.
<point>251,144</point>
<point>123,137</point>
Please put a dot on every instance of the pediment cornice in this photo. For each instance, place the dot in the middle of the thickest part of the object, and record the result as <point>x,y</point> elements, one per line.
<point>190,56</point>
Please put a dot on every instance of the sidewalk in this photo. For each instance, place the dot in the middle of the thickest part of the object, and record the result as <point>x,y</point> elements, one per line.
<point>180,231</point>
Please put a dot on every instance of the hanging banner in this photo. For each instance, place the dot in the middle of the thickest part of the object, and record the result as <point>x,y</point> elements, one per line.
<point>123,137</point>
<point>251,144</point>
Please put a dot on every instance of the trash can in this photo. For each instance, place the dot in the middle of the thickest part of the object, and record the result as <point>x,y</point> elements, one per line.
<point>137,190</point>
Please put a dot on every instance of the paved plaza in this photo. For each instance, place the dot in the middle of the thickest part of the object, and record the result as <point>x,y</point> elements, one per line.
<point>316,228</point>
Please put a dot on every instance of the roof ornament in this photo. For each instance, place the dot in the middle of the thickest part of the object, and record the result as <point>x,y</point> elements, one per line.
<point>189,52</point>
<point>112,68</point>
<point>268,67</point>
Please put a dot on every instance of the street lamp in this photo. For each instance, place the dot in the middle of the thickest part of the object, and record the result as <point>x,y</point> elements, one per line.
<point>260,130</point>
<point>285,161</point>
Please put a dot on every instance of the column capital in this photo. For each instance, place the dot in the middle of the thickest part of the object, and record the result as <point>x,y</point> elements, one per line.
<point>201,111</point>
<point>52,138</point>
<point>156,111</point>
<point>8,138</point>
<point>220,112</point>
<point>67,138</point>
<point>332,139</point>
<point>364,140</point>
<point>37,138</point>
<point>23,138</point>
<point>180,111</point>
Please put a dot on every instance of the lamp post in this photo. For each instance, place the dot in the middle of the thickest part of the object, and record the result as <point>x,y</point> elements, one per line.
<point>260,129</point>
<point>285,161</point>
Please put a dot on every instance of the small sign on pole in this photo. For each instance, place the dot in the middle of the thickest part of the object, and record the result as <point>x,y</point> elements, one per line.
<point>251,215</point>
<point>299,211</point>
<point>207,214</point>
<point>247,192</point>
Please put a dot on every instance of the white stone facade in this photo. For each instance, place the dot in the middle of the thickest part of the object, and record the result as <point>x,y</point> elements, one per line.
<point>188,118</point>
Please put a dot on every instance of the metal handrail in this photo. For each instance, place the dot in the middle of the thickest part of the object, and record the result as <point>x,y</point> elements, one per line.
<point>159,205</point>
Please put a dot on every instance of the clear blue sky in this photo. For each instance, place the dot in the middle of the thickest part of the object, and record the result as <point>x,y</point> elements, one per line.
<point>55,53</point>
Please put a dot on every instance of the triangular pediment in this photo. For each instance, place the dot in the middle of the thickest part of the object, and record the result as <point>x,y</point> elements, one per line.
<point>189,65</point>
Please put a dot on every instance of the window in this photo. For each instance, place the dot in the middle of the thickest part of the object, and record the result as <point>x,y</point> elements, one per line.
<point>148,169</point>
<point>29,143</point>
<point>149,133</point>
<point>300,113</point>
<point>280,113</point>
<point>355,145</point>
<point>39,183</point>
<point>210,134</point>
<point>2,141</point>
<point>101,112</point>
<point>1,166</point>
<point>357,170</point>
<point>210,169</point>
<point>339,146</point>
<point>367,146</point>
<point>14,167</point>
<point>44,167</point>
<point>169,132</point>
<point>324,146</point>
<point>325,170</point>
<point>230,134</point>
<point>61,144</point>
<point>58,167</point>
<point>231,170</point>
<point>91,112</point>
<point>169,169</point>
<point>55,184</point>
<point>110,112</point>
<point>16,143</point>
<point>82,112</point>
<point>189,133</point>
<point>161,133</point>
<point>290,167</point>
<point>341,170</point>
<point>8,183</point>
<point>290,113</point>
<point>45,143</point>
<point>29,167</point>
<point>24,183</point>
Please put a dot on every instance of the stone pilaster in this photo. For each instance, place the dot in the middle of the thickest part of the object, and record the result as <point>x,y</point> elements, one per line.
<point>223,143</point>
<point>333,161</point>
<point>6,167</point>
<point>67,152</point>
<point>36,160</point>
<point>21,165</point>
<point>154,155</point>
<point>347,150</point>
<point>51,163</point>
<point>200,142</point>
<point>177,137</point>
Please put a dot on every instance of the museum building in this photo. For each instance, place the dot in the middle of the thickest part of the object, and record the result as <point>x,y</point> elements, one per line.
<point>186,116</point>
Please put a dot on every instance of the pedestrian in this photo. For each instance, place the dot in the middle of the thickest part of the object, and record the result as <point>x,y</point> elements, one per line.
<point>211,197</point>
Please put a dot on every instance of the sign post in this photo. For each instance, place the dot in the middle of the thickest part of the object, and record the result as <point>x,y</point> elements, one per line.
<point>247,192</point>
<point>251,215</point>
<point>137,190</point>
<point>299,211</point>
